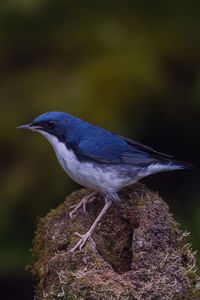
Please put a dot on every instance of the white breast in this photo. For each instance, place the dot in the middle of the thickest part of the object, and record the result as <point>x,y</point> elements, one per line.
<point>90,175</point>
<point>66,157</point>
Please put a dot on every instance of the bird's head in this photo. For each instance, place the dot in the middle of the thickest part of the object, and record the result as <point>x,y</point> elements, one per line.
<point>53,123</point>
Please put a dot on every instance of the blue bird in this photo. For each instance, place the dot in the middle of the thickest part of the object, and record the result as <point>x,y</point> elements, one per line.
<point>98,159</point>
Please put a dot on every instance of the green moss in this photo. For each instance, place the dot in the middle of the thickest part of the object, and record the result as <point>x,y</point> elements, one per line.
<point>155,261</point>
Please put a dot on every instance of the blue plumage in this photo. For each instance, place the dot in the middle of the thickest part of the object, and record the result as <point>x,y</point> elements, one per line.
<point>93,143</point>
<point>88,141</point>
<point>98,159</point>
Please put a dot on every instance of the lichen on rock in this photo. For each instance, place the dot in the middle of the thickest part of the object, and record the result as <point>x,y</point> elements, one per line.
<point>137,251</point>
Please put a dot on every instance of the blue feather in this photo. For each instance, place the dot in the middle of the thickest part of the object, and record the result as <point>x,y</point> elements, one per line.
<point>93,143</point>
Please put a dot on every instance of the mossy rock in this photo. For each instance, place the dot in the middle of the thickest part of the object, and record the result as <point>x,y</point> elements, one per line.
<point>137,251</point>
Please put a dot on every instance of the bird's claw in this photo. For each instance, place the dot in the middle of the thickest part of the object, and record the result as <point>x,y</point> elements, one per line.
<point>87,235</point>
<point>83,202</point>
<point>72,206</point>
<point>80,235</point>
<point>72,212</point>
<point>81,242</point>
<point>76,207</point>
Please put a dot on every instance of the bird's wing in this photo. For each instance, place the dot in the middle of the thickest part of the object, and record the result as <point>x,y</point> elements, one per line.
<point>143,149</point>
<point>102,147</point>
<point>114,149</point>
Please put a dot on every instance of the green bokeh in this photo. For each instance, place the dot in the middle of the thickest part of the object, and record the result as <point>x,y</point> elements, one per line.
<point>129,66</point>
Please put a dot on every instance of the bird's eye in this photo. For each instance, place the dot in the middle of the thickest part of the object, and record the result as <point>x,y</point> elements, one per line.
<point>51,124</point>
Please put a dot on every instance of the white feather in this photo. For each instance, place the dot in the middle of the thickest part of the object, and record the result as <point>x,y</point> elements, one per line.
<point>106,178</point>
<point>97,177</point>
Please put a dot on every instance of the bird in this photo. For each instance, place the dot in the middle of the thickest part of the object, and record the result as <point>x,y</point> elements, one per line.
<point>98,159</point>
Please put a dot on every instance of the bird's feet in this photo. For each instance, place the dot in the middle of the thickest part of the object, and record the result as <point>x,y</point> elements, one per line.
<point>87,235</point>
<point>87,199</point>
<point>82,241</point>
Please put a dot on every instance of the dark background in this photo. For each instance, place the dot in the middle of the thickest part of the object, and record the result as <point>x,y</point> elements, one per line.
<point>132,67</point>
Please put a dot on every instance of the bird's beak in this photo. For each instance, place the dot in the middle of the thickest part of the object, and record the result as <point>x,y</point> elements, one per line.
<point>30,126</point>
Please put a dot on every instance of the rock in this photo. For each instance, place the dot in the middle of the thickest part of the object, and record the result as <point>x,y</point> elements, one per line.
<point>137,251</point>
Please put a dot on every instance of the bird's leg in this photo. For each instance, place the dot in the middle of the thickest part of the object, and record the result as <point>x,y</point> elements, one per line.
<point>87,199</point>
<point>87,235</point>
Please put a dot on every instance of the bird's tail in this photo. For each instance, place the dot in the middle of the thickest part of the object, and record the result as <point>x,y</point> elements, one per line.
<point>174,164</point>
<point>165,165</point>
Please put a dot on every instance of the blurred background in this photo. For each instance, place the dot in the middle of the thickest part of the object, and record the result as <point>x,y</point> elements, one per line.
<point>132,67</point>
